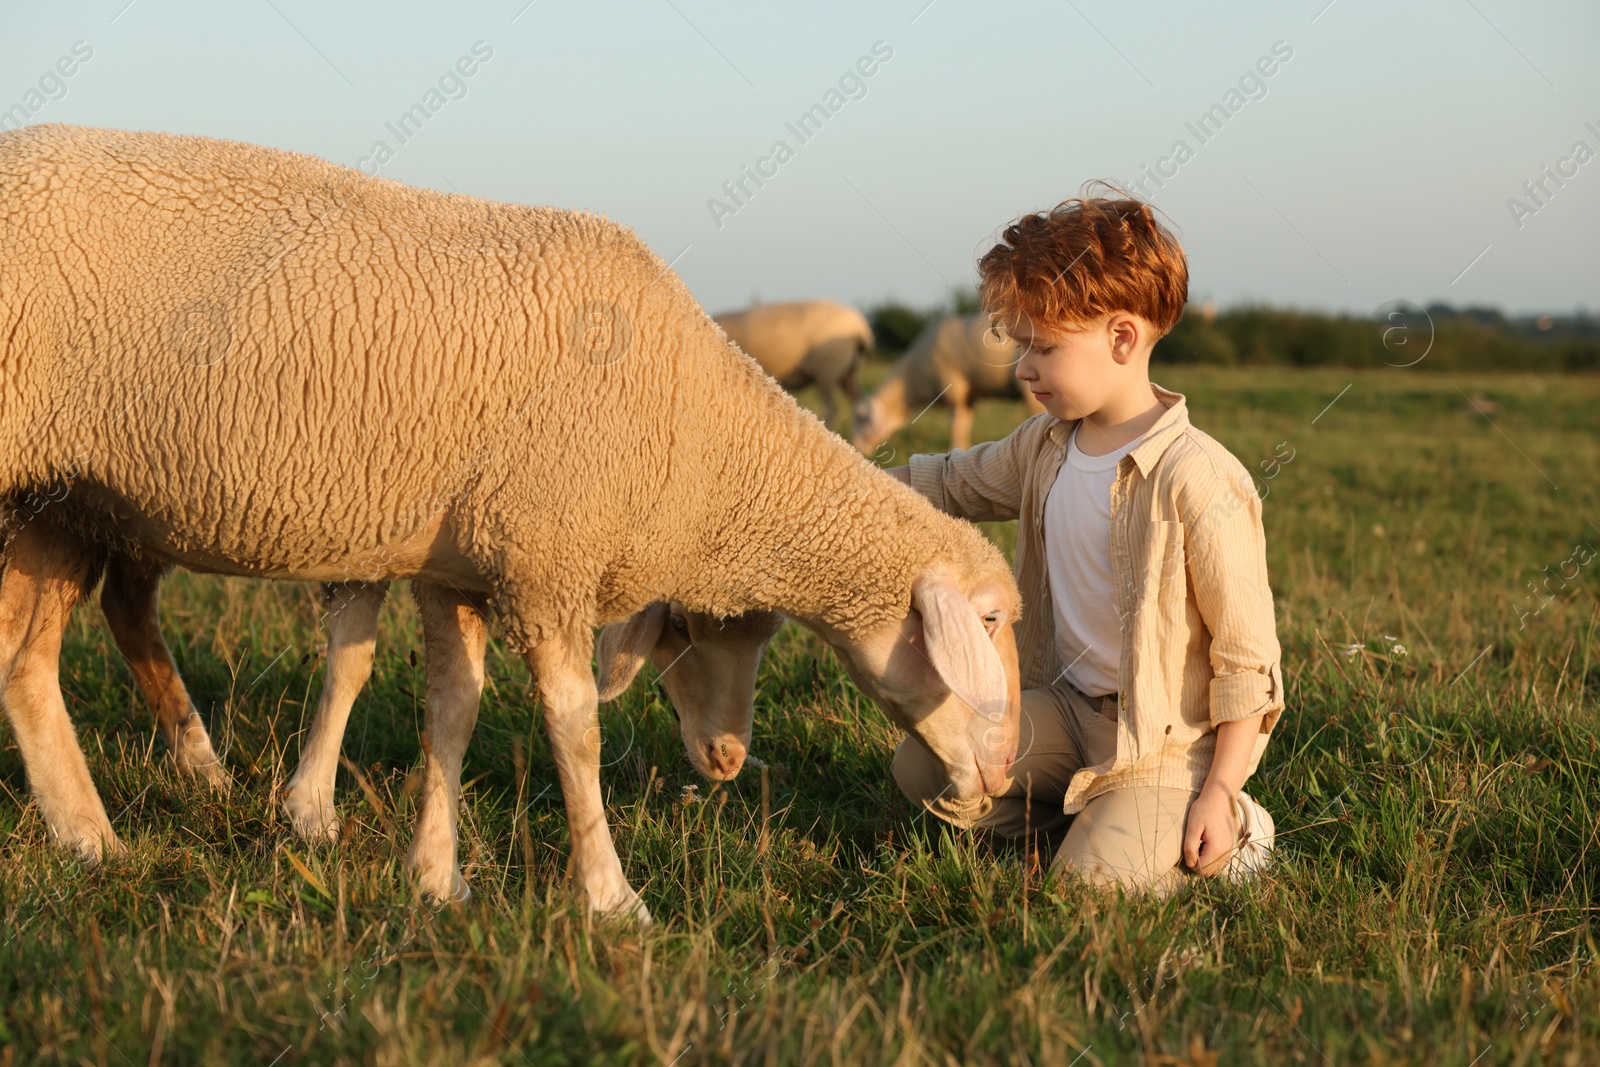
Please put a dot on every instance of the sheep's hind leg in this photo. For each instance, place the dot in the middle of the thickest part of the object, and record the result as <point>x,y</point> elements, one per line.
<point>352,641</point>
<point>571,711</point>
<point>131,599</point>
<point>47,573</point>
<point>455,635</point>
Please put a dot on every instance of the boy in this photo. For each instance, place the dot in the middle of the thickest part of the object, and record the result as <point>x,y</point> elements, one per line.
<point>1148,647</point>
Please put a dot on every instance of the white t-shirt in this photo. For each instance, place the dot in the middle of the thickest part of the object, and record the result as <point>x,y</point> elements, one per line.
<point>1077,546</point>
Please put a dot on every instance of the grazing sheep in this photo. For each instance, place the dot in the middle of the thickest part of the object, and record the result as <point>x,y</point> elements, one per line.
<point>707,666</point>
<point>254,362</point>
<point>953,362</point>
<point>805,342</point>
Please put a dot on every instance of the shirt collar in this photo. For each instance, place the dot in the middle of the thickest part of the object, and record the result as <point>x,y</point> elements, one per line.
<point>1172,422</point>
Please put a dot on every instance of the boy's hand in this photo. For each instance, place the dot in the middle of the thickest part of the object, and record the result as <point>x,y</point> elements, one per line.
<point>1211,832</point>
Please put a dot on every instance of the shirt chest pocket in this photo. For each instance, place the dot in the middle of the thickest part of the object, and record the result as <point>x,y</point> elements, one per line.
<point>1161,572</point>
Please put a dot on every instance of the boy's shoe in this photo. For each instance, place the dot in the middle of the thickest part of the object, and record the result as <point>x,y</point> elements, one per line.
<point>1256,835</point>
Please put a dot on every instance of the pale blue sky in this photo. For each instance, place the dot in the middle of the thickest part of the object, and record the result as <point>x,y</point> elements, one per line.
<point>1376,166</point>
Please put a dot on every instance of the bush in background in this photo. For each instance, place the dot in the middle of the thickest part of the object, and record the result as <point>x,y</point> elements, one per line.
<point>1463,339</point>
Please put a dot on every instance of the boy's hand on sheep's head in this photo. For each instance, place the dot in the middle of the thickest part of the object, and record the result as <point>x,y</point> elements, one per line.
<point>1211,832</point>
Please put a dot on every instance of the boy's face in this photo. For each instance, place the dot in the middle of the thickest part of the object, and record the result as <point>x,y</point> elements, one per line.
<point>1071,371</point>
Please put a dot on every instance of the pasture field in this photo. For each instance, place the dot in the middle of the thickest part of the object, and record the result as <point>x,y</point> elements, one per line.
<point>1435,782</point>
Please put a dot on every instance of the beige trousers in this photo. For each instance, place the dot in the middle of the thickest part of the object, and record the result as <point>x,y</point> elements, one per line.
<point>1130,837</point>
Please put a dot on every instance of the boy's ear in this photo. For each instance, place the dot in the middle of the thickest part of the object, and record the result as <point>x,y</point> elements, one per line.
<point>1127,336</point>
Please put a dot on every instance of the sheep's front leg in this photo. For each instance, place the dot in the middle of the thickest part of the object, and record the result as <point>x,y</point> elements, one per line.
<point>828,399</point>
<point>851,383</point>
<point>352,639</point>
<point>47,574</point>
<point>455,636</point>
<point>960,419</point>
<point>571,712</point>
<point>131,598</point>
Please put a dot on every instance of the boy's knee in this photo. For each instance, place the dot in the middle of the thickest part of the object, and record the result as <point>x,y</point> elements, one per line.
<point>1129,838</point>
<point>1104,874</point>
<point>921,778</point>
<point>918,773</point>
<point>910,769</point>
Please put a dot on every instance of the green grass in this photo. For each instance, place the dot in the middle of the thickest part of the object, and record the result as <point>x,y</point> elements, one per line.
<point>1437,815</point>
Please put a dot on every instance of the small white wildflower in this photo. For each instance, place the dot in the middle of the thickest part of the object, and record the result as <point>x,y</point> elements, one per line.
<point>1390,637</point>
<point>690,794</point>
<point>1352,649</point>
<point>1398,650</point>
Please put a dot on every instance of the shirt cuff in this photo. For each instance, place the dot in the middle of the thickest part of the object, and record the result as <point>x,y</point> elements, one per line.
<point>927,476</point>
<point>1247,694</point>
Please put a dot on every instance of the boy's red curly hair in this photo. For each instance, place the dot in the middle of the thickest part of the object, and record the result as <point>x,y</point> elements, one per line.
<point>1086,257</point>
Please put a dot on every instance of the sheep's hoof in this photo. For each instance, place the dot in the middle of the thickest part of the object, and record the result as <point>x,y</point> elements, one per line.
<point>458,893</point>
<point>93,843</point>
<point>206,767</point>
<point>315,822</point>
<point>624,905</point>
<point>194,755</point>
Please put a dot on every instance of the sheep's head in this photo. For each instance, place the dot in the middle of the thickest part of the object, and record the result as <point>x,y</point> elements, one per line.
<point>948,674</point>
<point>708,667</point>
<point>879,415</point>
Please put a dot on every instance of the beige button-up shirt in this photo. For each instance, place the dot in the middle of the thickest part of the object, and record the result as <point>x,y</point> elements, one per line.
<point>1199,637</point>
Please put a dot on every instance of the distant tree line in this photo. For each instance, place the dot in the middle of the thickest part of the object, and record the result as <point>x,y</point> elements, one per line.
<point>896,325</point>
<point>1456,339</point>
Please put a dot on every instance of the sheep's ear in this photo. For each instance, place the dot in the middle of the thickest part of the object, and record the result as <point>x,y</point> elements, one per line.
<point>625,645</point>
<point>960,647</point>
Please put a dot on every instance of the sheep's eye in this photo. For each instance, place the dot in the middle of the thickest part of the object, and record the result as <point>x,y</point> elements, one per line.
<point>679,623</point>
<point>992,619</point>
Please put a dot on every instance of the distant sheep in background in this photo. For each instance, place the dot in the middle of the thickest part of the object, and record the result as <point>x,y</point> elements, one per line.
<point>952,362</point>
<point>803,343</point>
